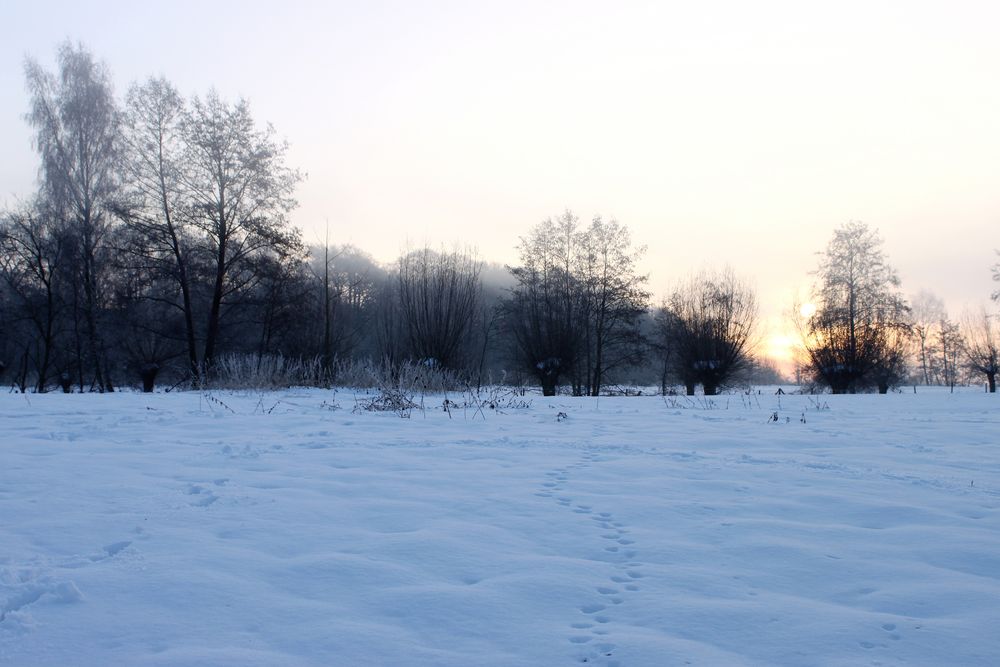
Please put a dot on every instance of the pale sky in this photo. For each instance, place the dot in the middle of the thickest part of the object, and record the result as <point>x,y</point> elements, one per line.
<point>720,132</point>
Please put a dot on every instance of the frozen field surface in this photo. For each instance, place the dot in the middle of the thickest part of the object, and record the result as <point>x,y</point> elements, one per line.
<point>170,529</point>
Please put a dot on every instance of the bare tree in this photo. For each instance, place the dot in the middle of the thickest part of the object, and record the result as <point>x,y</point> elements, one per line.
<point>660,340</point>
<point>982,345</point>
<point>542,312</point>
<point>950,346</point>
<point>708,325</point>
<point>390,332</point>
<point>927,312</point>
<point>241,192</point>
<point>576,307</point>
<point>157,208</point>
<point>857,300</point>
<point>890,366</point>
<point>439,299</point>
<point>996,278</point>
<point>76,134</point>
<point>32,264</point>
<point>614,299</point>
<point>347,281</point>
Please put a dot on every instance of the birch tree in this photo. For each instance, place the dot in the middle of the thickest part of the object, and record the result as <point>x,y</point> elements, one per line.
<point>76,124</point>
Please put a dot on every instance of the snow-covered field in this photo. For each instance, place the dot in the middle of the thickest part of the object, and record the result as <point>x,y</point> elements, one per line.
<point>171,529</point>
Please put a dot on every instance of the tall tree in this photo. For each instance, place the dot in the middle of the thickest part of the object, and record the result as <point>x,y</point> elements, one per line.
<point>158,209</point>
<point>542,312</point>
<point>857,298</point>
<point>614,299</point>
<point>76,127</point>
<point>241,192</point>
<point>927,312</point>
<point>950,346</point>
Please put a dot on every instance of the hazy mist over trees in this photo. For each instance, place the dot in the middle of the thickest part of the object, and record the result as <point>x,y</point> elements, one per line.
<point>158,250</point>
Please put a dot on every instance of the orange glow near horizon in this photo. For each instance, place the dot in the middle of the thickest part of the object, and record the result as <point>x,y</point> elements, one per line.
<point>780,349</point>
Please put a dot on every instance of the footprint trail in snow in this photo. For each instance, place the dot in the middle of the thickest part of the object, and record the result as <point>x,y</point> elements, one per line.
<point>592,631</point>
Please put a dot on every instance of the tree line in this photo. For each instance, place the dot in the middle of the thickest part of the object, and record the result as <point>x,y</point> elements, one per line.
<point>158,248</point>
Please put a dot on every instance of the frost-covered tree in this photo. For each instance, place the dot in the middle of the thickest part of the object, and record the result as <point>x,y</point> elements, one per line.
<point>240,192</point>
<point>159,241</point>
<point>206,214</point>
<point>76,123</point>
<point>852,337</point>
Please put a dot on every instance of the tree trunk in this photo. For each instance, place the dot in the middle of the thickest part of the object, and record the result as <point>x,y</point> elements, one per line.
<point>148,374</point>
<point>215,312</point>
<point>43,367</point>
<point>94,343</point>
<point>182,274</point>
<point>991,378</point>
<point>22,380</point>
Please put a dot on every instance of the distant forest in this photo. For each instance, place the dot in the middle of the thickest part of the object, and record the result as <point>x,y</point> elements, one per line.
<point>158,252</point>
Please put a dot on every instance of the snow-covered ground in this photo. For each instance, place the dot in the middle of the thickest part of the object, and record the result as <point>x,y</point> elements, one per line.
<point>171,529</point>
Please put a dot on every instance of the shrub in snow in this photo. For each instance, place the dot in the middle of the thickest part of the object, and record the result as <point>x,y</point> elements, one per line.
<point>387,399</point>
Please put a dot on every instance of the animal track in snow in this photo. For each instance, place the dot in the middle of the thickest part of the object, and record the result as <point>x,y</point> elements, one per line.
<point>32,591</point>
<point>205,496</point>
<point>22,587</point>
<point>613,533</point>
<point>891,629</point>
<point>106,553</point>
